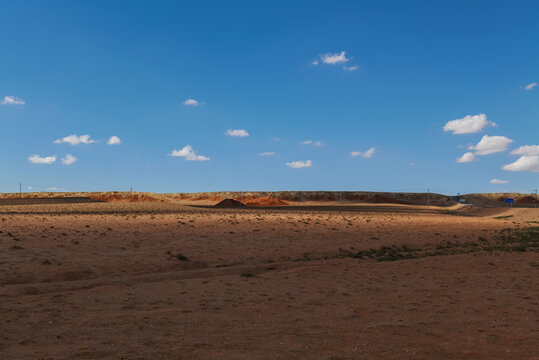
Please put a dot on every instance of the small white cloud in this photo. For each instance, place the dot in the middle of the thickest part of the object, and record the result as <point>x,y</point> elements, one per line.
<point>524,163</point>
<point>267,153</point>
<point>36,159</point>
<point>300,164</point>
<point>191,102</point>
<point>367,154</point>
<point>530,86</point>
<point>350,68</point>
<point>114,140</point>
<point>75,140</point>
<point>54,188</point>
<point>336,58</point>
<point>30,188</point>
<point>531,150</point>
<point>12,100</point>
<point>310,142</point>
<point>189,154</point>
<point>315,62</point>
<point>468,124</point>
<point>498,181</point>
<point>69,159</point>
<point>466,158</point>
<point>491,144</point>
<point>237,133</point>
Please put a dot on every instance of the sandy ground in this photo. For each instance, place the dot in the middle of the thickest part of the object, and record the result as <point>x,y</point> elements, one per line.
<point>167,281</point>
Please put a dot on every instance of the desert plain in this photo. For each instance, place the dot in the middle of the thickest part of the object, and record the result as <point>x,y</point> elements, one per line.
<point>313,278</point>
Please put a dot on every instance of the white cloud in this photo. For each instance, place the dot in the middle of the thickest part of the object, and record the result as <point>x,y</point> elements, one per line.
<point>267,153</point>
<point>54,188</point>
<point>191,102</point>
<point>300,164</point>
<point>12,100</point>
<point>466,158</point>
<point>237,133</point>
<point>114,140</point>
<point>491,144</point>
<point>30,188</point>
<point>524,163</point>
<point>336,58</point>
<point>531,150</point>
<point>350,68</point>
<point>310,142</point>
<point>468,124</point>
<point>315,62</point>
<point>75,140</point>
<point>498,181</point>
<point>367,154</point>
<point>189,154</point>
<point>69,159</point>
<point>36,159</point>
<point>530,86</point>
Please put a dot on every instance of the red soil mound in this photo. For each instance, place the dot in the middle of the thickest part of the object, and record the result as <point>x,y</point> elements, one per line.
<point>229,203</point>
<point>266,201</point>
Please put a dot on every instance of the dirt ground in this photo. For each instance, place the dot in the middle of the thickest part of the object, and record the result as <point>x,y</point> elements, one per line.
<point>168,281</point>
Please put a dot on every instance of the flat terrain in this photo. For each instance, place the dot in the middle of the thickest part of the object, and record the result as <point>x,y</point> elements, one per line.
<point>168,281</point>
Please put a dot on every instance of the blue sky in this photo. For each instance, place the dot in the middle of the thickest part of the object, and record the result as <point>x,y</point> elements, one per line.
<point>372,85</point>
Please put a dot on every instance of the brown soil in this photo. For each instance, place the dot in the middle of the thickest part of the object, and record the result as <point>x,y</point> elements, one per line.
<point>164,281</point>
<point>498,199</point>
<point>126,197</point>
<point>525,199</point>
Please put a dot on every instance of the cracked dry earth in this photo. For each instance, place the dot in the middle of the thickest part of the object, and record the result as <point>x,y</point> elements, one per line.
<point>384,282</point>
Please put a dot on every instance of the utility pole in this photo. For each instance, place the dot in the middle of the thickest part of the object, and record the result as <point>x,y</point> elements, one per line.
<point>428,198</point>
<point>20,189</point>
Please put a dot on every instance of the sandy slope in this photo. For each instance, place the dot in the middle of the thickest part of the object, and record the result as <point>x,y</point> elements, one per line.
<point>255,198</point>
<point>283,198</point>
